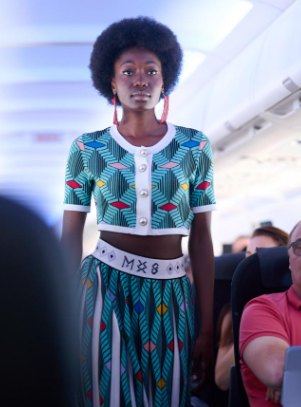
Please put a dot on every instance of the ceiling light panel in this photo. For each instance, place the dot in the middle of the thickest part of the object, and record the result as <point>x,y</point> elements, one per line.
<point>191,61</point>
<point>209,24</point>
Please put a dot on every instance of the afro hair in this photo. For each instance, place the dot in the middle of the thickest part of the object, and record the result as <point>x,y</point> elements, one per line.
<point>140,32</point>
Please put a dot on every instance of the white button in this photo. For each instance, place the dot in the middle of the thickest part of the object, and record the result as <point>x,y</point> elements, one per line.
<point>142,167</point>
<point>143,221</point>
<point>143,192</point>
<point>143,153</point>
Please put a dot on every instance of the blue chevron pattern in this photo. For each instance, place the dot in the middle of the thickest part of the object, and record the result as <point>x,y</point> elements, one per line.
<point>147,336</point>
<point>182,178</point>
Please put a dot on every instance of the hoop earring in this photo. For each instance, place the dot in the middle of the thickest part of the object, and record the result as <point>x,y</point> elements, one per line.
<point>115,119</point>
<point>165,109</point>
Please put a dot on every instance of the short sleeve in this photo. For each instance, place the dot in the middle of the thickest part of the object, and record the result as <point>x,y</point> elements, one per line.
<point>77,183</point>
<point>261,318</point>
<point>202,195</point>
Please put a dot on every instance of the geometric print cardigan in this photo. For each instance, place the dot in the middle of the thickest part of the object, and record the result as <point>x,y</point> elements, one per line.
<point>140,190</point>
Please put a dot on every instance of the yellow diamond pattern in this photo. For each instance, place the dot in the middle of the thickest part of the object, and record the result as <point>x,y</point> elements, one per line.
<point>161,383</point>
<point>83,281</point>
<point>162,309</point>
<point>133,186</point>
<point>185,186</point>
<point>153,186</point>
<point>89,284</point>
<point>100,183</point>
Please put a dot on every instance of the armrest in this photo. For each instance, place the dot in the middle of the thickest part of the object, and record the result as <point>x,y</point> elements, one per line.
<point>291,388</point>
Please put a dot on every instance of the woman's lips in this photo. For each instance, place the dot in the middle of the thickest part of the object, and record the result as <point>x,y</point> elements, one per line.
<point>141,96</point>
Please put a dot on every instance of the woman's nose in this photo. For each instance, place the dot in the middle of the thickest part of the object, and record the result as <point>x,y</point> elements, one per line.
<point>140,80</point>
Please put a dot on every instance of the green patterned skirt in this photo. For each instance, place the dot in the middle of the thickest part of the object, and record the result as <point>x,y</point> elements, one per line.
<point>136,338</point>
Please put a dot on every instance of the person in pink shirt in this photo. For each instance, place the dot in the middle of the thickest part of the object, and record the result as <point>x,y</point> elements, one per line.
<point>269,325</point>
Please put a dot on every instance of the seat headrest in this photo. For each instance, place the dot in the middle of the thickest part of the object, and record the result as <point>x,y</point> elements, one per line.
<point>274,267</point>
<point>226,264</point>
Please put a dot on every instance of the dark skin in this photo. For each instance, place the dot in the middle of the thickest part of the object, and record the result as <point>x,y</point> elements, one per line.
<point>138,82</point>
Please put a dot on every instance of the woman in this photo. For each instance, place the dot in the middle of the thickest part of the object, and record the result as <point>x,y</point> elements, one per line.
<point>263,237</point>
<point>151,181</point>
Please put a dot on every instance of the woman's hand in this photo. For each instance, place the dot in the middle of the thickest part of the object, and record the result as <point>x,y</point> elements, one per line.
<point>273,395</point>
<point>203,357</point>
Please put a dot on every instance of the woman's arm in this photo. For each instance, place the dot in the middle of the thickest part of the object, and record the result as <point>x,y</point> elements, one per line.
<point>72,236</point>
<point>225,357</point>
<point>202,264</point>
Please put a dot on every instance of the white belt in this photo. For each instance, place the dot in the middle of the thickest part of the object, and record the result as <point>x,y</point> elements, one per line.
<point>138,265</point>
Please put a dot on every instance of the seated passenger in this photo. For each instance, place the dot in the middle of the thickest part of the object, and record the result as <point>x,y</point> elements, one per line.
<point>270,324</point>
<point>263,237</point>
<point>240,244</point>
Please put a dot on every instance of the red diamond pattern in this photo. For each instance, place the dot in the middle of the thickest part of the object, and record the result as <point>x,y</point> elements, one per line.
<point>171,346</point>
<point>90,321</point>
<point>168,207</point>
<point>102,326</point>
<point>180,345</point>
<point>89,394</point>
<point>139,375</point>
<point>119,205</point>
<point>204,185</point>
<point>73,184</point>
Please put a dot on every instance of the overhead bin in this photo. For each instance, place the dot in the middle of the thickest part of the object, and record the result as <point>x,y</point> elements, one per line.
<point>265,73</point>
<point>231,103</point>
<point>279,67</point>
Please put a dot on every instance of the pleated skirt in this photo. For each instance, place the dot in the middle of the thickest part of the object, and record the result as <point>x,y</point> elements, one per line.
<point>136,338</point>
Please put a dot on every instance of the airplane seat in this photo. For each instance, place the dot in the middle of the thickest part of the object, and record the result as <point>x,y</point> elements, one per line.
<point>225,266</point>
<point>233,399</point>
<point>38,322</point>
<point>265,272</point>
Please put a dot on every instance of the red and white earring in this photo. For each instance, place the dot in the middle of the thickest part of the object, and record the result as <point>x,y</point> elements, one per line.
<point>165,108</point>
<point>114,101</point>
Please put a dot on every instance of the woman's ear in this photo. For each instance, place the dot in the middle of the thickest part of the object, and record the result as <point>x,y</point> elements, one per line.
<point>113,85</point>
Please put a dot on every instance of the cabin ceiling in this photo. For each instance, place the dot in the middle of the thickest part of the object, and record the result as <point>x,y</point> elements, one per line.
<point>47,99</point>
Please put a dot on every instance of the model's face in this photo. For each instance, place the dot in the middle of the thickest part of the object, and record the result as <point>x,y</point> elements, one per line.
<point>262,242</point>
<point>295,261</point>
<point>138,79</point>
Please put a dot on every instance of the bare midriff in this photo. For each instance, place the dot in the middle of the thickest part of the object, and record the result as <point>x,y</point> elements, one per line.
<point>157,247</point>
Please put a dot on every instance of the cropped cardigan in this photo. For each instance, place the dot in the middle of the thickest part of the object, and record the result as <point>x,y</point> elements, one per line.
<point>141,190</point>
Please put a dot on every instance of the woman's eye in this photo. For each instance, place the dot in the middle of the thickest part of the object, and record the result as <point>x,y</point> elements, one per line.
<point>152,72</point>
<point>127,72</point>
